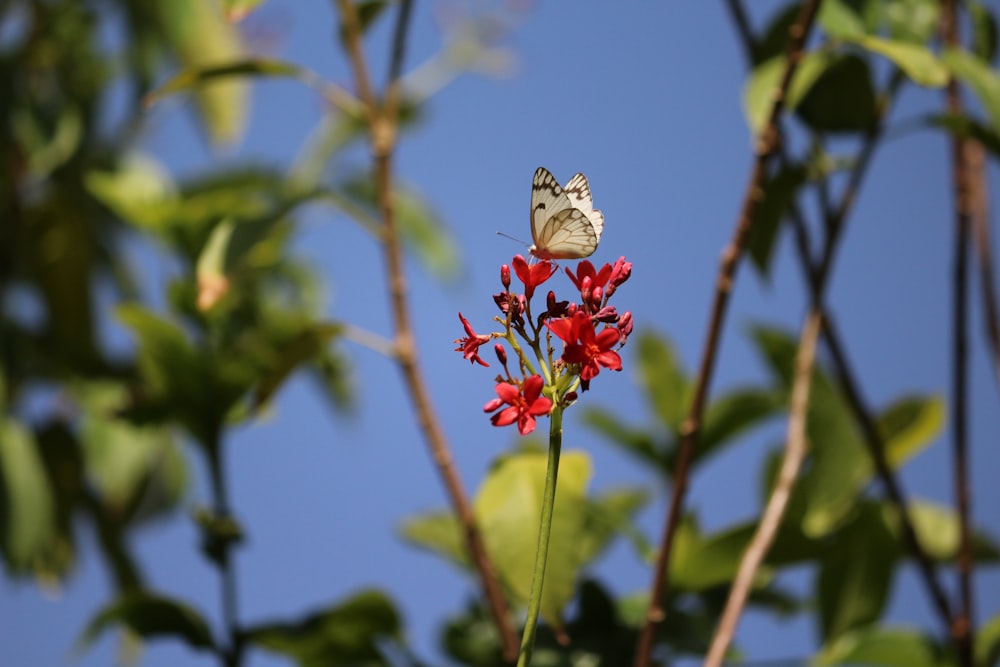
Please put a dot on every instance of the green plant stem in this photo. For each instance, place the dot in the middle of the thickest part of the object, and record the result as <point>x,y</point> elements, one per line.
<point>544,532</point>
<point>232,655</point>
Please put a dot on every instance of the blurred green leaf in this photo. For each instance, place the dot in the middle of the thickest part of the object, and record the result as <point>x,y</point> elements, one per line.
<point>130,465</point>
<point>988,643</point>
<point>608,515</point>
<point>879,647</point>
<point>838,19</point>
<point>26,497</point>
<point>200,37</point>
<point>636,442</point>
<point>140,191</point>
<point>916,60</point>
<point>856,574</point>
<point>349,633</point>
<point>665,382</point>
<point>237,10</point>
<point>732,414</point>
<point>780,191</point>
<point>984,30</point>
<point>758,93</point>
<point>909,20</point>
<point>150,615</point>
<point>707,561</point>
<point>508,508</point>
<point>419,225</point>
<point>307,344</point>
<point>368,12</point>
<point>438,532</point>
<point>964,127</point>
<point>472,639</point>
<point>841,98</point>
<point>979,76</point>
<point>909,425</point>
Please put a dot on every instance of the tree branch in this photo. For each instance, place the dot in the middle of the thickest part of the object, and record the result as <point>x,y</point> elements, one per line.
<point>795,453</point>
<point>383,131</point>
<point>962,626</point>
<point>691,430</point>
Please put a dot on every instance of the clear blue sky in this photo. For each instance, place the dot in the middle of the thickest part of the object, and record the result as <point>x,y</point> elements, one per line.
<point>645,99</point>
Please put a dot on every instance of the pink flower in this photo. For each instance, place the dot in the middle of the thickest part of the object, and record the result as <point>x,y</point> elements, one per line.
<point>585,347</point>
<point>526,403</point>
<point>469,346</point>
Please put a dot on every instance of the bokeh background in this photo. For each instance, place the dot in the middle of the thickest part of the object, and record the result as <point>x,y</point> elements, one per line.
<point>645,98</point>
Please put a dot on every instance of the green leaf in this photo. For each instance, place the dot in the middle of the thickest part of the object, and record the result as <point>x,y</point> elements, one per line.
<point>663,379</point>
<point>780,191</point>
<point>609,515</point>
<point>306,345</point>
<point>758,93</point>
<point>140,191</point>
<point>27,508</point>
<point>368,12</point>
<point>131,466</point>
<point>636,442</point>
<point>916,60</point>
<point>149,615</point>
<point>988,643</point>
<point>349,633</point>
<point>418,223</point>
<point>909,20</point>
<point>838,19</point>
<point>964,127</point>
<point>732,414</point>
<point>201,37</point>
<point>879,647</point>
<point>237,10</point>
<point>909,425</point>
<point>508,508</point>
<point>984,30</point>
<point>842,98</point>
<point>856,574</point>
<point>708,561</point>
<point>979,76</point>
<point>438,532</point>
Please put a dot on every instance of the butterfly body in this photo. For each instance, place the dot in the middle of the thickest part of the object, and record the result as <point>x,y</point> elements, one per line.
<point>564,222</point>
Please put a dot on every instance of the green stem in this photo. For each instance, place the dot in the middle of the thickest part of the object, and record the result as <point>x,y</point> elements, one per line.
<point>544,532</point>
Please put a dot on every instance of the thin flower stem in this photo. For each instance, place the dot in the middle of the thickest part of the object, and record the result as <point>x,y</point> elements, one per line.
<point>544,532</point>
<point>233,652</point>
<point>691,429</point>
<point>382,129</point>
<point>963,625</point>
<point>795,453</point>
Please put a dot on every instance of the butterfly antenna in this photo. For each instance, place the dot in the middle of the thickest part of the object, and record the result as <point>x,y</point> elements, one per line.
<point>508,236</point>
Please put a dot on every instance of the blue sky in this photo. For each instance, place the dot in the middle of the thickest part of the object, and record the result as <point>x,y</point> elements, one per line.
<point>645,99</point>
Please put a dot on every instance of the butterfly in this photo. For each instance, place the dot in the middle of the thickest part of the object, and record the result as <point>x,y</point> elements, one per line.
<point>564,222</point>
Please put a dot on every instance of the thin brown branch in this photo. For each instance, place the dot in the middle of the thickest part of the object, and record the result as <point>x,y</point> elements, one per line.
<point>962,627</point>
<point>795,453</point>
<point>983,245</point>
<point>691,429</point>
<point>382,129</point>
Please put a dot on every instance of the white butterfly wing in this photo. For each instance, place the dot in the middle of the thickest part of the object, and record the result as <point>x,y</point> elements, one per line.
<point>564,224</point>
<point>569,234</point>
<point>578,192</point>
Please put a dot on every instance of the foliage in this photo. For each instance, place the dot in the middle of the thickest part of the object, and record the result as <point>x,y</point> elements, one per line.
<point>109,386</point>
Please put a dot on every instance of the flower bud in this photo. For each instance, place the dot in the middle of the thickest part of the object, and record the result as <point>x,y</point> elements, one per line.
<point>505,276</point>
<point>595,297</point>
<point>625,325</point>
<point>620,272</point>
<point>501,353</point>
<point>607,315</point>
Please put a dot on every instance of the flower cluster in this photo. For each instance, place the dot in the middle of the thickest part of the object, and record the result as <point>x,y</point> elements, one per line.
<point>591,330</point>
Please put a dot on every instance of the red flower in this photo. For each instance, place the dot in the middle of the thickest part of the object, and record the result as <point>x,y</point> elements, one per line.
<point>525,403</point>
<point>621,272</point>
<point>586,270</point>
<point>532,275</point>
<point>469,346</point>
<point>585,347</point>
